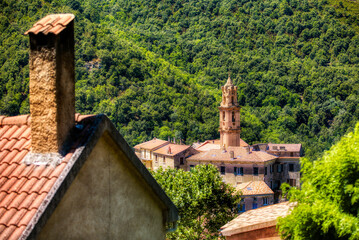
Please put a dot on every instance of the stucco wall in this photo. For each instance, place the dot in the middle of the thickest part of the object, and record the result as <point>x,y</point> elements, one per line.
<point>107,200</point>
<point>229,176</point>
<point>269,232</point>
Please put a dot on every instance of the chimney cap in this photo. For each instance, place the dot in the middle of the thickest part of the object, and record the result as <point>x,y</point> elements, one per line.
<point>53,23</point>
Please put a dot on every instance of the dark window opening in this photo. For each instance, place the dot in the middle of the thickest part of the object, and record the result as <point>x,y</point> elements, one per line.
<point>181,161</point>
<point>265,171</point>
<point>233,117</point>
<point>255,171</point>
<point>291,167</point>
<point>292,182</point>
<point>223,170</point>
<point>238,171</point>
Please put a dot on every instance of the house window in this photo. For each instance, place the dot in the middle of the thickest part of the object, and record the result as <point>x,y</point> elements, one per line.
<point>241,206</point>
<point>265,170</point>
<point>276,185</point>
<point>156,160</point>
<point>254,205</point>
<point>280,168</point>
<point>291,167</point>
<point>223,170</point>
<point>238,171</point>
<point>255,171</point>
<point>181,161</point>
<point>270,168</point>
<point>224,115</point>
<point>265,201</point>
<point>233,117</point>
<point>292,182</point>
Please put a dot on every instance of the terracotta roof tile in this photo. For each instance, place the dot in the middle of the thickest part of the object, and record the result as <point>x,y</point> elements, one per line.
<point>53,23</point>
<point>23,188</point>
<point>17,120</point>
<point>11,232</point>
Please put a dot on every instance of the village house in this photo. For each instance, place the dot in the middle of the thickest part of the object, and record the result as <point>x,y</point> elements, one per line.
<point>257,224</point>
<point>255,194</point>
<point>69,176</point>
<point>159,153</point>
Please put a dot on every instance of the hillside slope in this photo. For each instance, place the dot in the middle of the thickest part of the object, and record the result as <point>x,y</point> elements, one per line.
<point>156,67</point>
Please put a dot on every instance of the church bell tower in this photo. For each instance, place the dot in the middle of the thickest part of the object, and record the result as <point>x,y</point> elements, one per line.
<point>229,123</point>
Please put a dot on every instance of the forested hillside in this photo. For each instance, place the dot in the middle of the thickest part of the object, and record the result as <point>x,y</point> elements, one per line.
<point>156,67</point>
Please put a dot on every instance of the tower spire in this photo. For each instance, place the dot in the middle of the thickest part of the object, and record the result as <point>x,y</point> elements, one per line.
<point>229,80</point>
<point>229,127</point>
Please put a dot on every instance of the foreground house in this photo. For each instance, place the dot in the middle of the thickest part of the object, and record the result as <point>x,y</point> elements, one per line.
<point>68,176</point>
<point>257,223</point>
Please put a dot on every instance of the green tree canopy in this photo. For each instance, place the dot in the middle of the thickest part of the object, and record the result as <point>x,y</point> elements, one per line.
<point>204,201</point>
<point>328,203</point>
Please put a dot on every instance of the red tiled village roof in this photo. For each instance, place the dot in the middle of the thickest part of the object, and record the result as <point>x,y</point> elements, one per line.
<point>241,155</point>
<point>215,144</point>
<point>53,23</point>
<point>254,188</point>
<point>257,218</point>
<point>152,144</point>
<point>175,149</point>
<point>25,188</point>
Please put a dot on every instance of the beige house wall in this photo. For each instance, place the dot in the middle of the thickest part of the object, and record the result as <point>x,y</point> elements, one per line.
<point>107,200</point>
<point>233,179</point>
<point>249,200</point>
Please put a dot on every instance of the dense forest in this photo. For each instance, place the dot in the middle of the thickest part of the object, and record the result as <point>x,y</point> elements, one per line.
<point>156,67</point>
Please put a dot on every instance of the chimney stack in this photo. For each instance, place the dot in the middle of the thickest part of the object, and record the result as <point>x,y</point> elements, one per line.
<point>52,82</point>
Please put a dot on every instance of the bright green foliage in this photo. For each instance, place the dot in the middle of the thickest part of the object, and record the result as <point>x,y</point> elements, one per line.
<point>204,201</point>
<point>295,62</point>
<point>328,203</point>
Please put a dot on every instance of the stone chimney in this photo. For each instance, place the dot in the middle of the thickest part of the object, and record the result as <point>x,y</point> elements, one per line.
<point>52,82</point>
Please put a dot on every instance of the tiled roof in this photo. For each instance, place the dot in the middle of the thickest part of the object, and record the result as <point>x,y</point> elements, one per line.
<point>152,144</point>
<point>241,155</point>
<point>25,188</point>
<point>215,144</point>
<point>53,23</point>
<point>254,188</point>
<point>257,218</point>
<point>174,149</point>
<point>287,147</point>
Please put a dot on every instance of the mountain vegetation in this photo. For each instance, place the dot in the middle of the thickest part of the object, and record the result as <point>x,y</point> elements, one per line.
<point>328,203</point>
<point>205,203</point>
<point>156,67</point>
